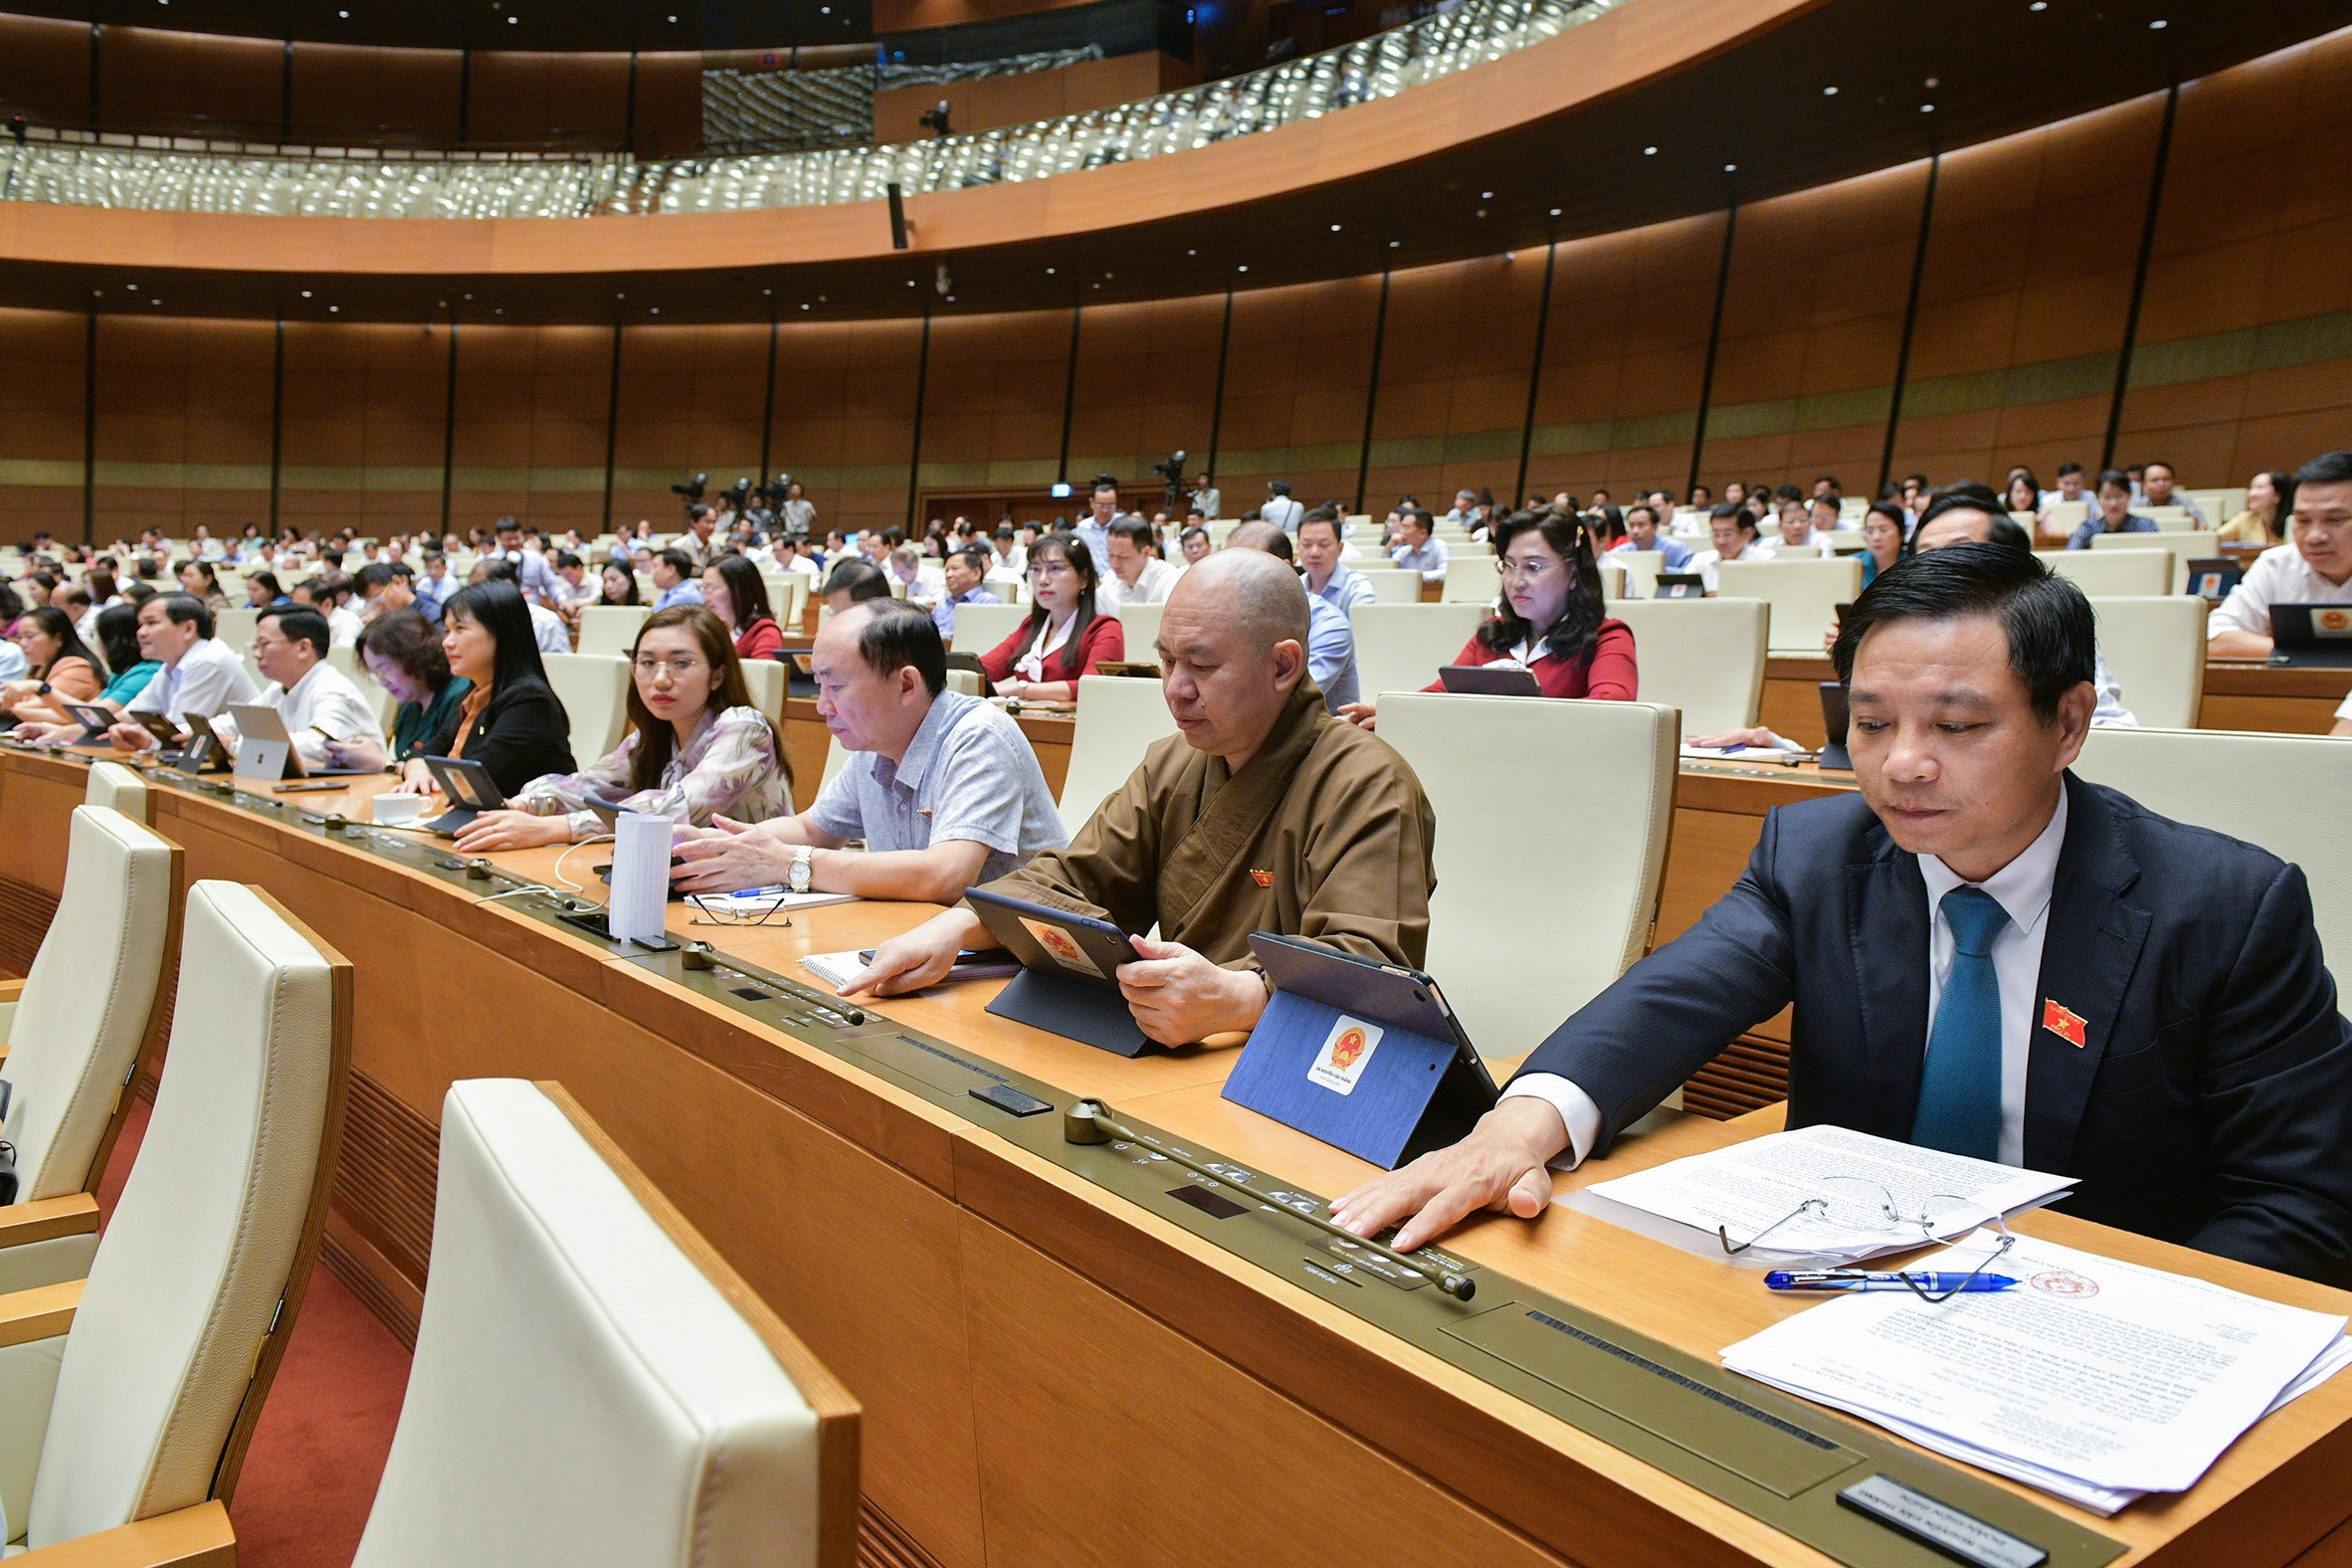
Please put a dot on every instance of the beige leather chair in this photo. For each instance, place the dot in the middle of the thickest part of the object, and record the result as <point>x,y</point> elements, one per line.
<point>979,628</point>
<point>1399,646</point>
<point>1640,568</point>
<point>1392,586</point>
<point>1804,595</point>
<point>132,1396</point>
<point>1139,625</point>
<point>2186,544</point>
<point>1118,717</point>
<point>837,757</point>
<point>2115,574</point>
<point>1470,579</point>
<point>2069,514</point>
<point>594,692</point>
<point>1612,580</point>
<point>1704,656</point>
<point>2155,649</point>
<point>1528,922</point>
<point>2273,790</point>
<point>769,680</point>
<point>651,1412</point>
<point>610,628</point>
<point>117,788</point>
<point>236,627</point>
<point>84,1020</point>
<point>347,661</point>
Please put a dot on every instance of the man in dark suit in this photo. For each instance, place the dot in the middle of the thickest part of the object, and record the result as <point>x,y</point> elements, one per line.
<point>1985,954</point>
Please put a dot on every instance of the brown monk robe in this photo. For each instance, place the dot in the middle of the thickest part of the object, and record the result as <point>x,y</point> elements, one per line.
<point>1325,834</point>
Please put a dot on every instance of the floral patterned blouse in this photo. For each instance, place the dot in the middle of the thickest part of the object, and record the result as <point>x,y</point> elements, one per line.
<point>729,767</point>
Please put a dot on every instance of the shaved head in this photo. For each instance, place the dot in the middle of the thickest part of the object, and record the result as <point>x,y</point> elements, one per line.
<point>1233,648</point>
<point>1266,593</point>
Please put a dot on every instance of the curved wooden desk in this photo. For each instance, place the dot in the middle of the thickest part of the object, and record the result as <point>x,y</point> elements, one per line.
<point>1051,1373</point>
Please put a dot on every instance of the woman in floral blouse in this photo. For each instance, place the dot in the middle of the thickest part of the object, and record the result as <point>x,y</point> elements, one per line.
<point>695,747</point>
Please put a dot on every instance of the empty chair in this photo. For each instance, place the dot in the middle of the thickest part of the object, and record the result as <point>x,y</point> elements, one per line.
<point>171,1346</point>
<point>1399,646</point>
<point>1513,980</point>
<point>2187,545</point>
<point>2155,649</point>
<point>1804,595</point>
<point>769,680</point>
<point>980,627</point>
<point>594,692</point>
<point>1139,624</point>
<point>1118,717</point>
<point>1704,656</point>
<point>117,788</point>
<point>236,627</point>
<point>1393,587</point>
<point>1470,580</point>
<point>1640,568</point>
<point>651,1412</point>
<point>610,628</point>
<point>85,1019</point>
<point>2240,783</point>
<point>2115,574</point>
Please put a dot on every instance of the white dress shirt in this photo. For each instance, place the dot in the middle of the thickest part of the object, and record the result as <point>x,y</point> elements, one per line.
<point>1151,584</point>
<point>325,697</point>
<point>207,678</point>
<point>2279,575</point>
<point>2022,889</point>
<point>548,630</point>
<point>1284,512</point>
<point>344,628</point>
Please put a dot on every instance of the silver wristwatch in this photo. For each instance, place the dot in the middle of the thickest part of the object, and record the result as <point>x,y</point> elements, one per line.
<point>797,879</point>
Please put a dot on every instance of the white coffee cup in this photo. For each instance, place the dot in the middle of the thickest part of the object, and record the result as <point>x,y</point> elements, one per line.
<point>398,811</point>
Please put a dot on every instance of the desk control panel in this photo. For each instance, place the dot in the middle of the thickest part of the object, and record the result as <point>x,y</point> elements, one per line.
<point>1770,1456</point>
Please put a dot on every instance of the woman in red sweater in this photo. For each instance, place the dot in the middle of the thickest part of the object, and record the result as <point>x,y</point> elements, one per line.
<point>733,591</point>
<point>1064,638</point>
<point>1551,623</point>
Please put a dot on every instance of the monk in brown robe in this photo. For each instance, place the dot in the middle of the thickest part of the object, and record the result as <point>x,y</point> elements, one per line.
<point>1264,814</point>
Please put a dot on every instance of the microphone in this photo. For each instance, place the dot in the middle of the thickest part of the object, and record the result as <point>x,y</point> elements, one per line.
<point>1090,1121</point>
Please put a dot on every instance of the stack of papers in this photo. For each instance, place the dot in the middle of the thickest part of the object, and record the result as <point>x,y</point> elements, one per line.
<point>2095,1381</point>
<point>1752,1189</point>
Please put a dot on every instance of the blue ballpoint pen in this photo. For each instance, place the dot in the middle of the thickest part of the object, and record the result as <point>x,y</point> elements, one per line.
<point>1864,1279</point>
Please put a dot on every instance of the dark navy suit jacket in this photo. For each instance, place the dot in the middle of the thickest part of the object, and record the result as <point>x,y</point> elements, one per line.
<point>2210,1103</point>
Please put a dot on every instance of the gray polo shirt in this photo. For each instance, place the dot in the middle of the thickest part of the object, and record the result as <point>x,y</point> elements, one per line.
<point>970,775</point>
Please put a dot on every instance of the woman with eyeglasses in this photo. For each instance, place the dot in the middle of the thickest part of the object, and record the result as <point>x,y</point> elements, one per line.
<point>1064,636</point>
<point>1550,622</point>
<point>696,748</point>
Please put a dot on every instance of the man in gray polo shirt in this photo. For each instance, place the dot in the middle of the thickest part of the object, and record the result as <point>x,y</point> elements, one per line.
<point>944,788</point>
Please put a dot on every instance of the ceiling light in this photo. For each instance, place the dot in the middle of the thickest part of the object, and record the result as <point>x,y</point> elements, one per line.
<point>674,21</point>
<point>1486,195</point>
<point>1828,92</point>
<point>334,308</point>
<point>1049,272</point>
<point>1927,108</point>
<point>305,294</point>
<point>1555,212</point>
<point>1481,212</point>
<point>1393,243</point>
<point>1245,267</point>
<point>804,305</point>
<point>1649,152</point>
<point>1334,228</point>
<point>1730,167</point>
<point>2039,5</point>
<point>767,292</point>
<point>133,287</point>
<point>1192,253</point>
<point>2156,25</point>
<point>620,296</point>
<point>345,15</point>
<point>510,21</point>
<point>910,283</point>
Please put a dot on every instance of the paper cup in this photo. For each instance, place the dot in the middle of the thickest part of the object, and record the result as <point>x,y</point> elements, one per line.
<point>398,811</point>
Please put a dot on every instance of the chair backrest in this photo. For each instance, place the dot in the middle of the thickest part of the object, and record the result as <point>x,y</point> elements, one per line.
<point>346,659</point>
<point>2201,776</point>
<point>2185,542</point>
<point>837,757</point>
<point>1704,656</point>
<point>2069,514</point>
<point>1513,980</point>
<point>1612,579</point>
<point>770,680</point>
<point>236,627</point>
<point>594,692</point>
<point>199,1280</point>
<point>650,1410</point>
<point>1640,568</point>
<point>1118,717</point>
<point>2155,649</point>
<point>1139,625</point>
<point>1394,587</point>
<point>1804,595</point>
<point>89,1002</point>
<point>1399,646</point>
<point>2115,574</point>
<point>980,627</point>
<point>117,788</point>
<point>610,628</point>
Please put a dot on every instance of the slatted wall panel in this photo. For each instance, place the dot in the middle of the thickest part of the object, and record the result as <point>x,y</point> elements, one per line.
<point>882,1544</point>
<point>1752,1073</point>
<point>384,1185</point>
<point>25,913</point>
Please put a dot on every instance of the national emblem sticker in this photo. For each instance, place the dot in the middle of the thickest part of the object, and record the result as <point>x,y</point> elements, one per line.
<point>2331,622</point>
<point>1058,945</point>
<point>1345,1050</point>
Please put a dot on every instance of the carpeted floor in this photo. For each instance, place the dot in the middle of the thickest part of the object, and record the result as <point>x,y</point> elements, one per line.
<point>311,1473</point>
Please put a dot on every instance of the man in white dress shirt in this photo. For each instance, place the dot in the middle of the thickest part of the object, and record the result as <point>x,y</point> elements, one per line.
<point>1280,509</point>
<point>1143,578</point>
<point>2313,567</point>
<point>1421,550</point>
<point>316,702</point>
<point>200,673</point>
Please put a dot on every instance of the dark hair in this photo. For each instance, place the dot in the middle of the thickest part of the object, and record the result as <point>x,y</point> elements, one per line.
<point>1418,514</point>
<point>896,636</point>
<point>2158,463</point>
<point>565,559</point>
<point>60,626</point>
<point>747,592</point>
<point>1187,535</point>
<point>100,579</point>
<point>2329,467</point>
<point>678,561</point>
<point>1572,634</point>
<point>186,608</point>
<point>406,638</point>
<point>698,510</point>
<point>506,526</point>
<point>118,634</point>
<point>2115,476</point>
<point>1605,524</point>
<point>1968,496</point>
<point>1133,530</point>
<point>267,580</point>
<point>1893,512</point>
<point>622,566</point>
<point>12,606</point>
<point>498,569</point>
<point>1738,514</point>
<point>1072,549</point>
<point>2052,634</point>
<point>497,608</point>
<point>656,738</point>
<point>297,624</point>
<point>203,569</point>
<point>2066,469</point>
<point>976,556</point>
<point>860,578</point>
<point>1321,515</point>
<point>380,574</point>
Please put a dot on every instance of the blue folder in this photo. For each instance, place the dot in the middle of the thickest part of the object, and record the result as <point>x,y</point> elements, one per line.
<point>1366,1057</point>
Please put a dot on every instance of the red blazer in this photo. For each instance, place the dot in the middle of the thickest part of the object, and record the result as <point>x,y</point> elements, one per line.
<point>1103,639</point>
<point>762,639</point>
<point>1608,675</point>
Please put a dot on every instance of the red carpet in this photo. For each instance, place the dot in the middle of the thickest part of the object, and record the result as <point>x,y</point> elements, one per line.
<point>311,1473</point>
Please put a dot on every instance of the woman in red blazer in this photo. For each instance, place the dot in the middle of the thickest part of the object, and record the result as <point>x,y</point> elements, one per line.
<point>1550,622</point>
<point>734,590</point>
<point>1064,638</point>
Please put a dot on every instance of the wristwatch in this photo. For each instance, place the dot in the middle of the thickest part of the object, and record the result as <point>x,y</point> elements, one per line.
<point>797,878</point>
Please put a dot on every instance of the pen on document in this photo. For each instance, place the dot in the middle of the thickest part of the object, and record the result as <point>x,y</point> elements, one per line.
<point>1864,1279</point>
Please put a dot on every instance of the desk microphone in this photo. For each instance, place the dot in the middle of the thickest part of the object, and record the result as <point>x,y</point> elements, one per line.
<point>1089,1121</point>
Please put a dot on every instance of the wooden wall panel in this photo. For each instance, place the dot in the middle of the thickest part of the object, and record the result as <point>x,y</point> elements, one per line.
<point>691,402</point>
<point>363,426</point>
<point>153,77</point>
<point>1146,386</point>
<point>530,426</point>
<point>45,66</point>
<point>996,390</point>
<point>844,411</point>
<point>41,383</point>
<point>1454,369</point>
<point>521,94</point>
<point>361,90</point>
<point>183,424</point>
<point>1295,380</point>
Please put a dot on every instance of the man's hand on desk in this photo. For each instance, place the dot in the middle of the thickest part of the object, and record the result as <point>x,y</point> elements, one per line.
<point>729,856</point>
<point>1503,1165</point>
<point>1178,997</point>
<point>128,737</point>
<point>920,957</point>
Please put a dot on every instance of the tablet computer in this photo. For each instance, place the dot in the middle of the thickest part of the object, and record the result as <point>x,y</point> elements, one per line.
<point>1069,979</point>
<point>471,791</point>
<point>1835,722</point>
<point>96,720</point>
<point>2212,576</point>
<point>1680,585</point>
<point>1490,680</point>
<point>267,749</point>
<point>2317,636</point>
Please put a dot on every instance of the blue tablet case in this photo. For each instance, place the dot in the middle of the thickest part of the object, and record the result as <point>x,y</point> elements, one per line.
<point>1364,1057</point>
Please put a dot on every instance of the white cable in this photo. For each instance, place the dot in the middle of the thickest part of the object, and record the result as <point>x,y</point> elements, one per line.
<point>557,873</point>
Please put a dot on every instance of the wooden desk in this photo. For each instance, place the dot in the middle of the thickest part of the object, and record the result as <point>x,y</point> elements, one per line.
<point>806,739</point>
<point>1053,1374</point>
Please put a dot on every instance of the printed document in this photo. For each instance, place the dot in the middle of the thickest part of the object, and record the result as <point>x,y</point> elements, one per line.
<point>2094,1380</point>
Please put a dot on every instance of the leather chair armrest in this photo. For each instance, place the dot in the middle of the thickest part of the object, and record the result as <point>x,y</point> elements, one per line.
<point>198,1537</point>
<point>40,1313</point>
<point>76,1214</point>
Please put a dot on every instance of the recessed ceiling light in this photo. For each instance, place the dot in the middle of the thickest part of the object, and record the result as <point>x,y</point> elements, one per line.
<point>345,15</point>
<point>305,294</point>
<point>804,305</point>
<point>2156,25</point>
<point>1927,108</point>
<point>1828,92</point>
<point>1555,212</point>
<point>1730,167</point>
<point>1933,83</point>
<point>1649,152</point>
<point>1481,212</point>
<point>469,297</point>
<point>510,21</point>
<point>1049,272</point>
<point>1192,253</point>
<point>768,292</point>
<point>334,308</point>
<point>620,296</point>
<point>2039,5</point>
<point>1393,243</point>
<point>1486,195</point>
<point>910,283</point>
<point>133,287</point>
<point>1245,267</point>
<point>674,19</point>
<point>1334,228</point>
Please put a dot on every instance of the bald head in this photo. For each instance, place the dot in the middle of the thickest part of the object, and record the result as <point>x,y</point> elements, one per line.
<point>1247,582</point>
<point>1233,648</point>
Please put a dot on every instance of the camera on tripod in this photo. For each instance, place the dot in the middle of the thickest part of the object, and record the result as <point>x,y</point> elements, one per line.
<point>1173,471</point>
<point>691,491</point>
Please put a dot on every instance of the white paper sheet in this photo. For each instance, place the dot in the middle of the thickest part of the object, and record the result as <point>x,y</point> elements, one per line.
<point>2094,1379</point>
<point>641,876</point>
<point>1750,1186</point>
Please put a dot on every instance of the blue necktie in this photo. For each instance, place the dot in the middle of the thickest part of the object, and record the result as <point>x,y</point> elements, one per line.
<point>1960,1090</point>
